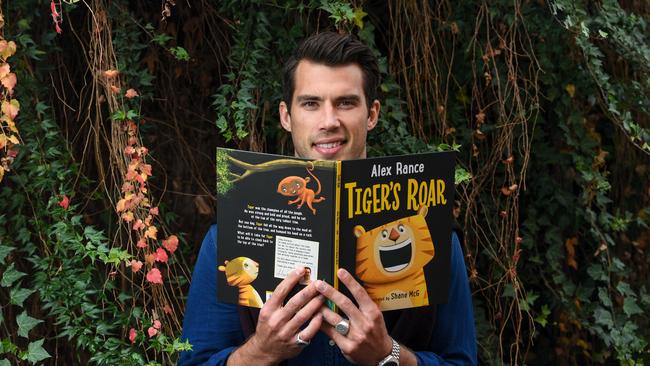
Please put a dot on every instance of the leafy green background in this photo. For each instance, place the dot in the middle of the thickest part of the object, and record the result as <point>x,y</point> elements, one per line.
<point>546,102</point>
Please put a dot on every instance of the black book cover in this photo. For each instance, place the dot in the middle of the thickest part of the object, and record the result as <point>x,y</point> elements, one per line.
<point>386,220</point>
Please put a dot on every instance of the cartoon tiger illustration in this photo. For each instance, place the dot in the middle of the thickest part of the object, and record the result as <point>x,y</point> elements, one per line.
<point>240,272</point>
<point>390,261</point>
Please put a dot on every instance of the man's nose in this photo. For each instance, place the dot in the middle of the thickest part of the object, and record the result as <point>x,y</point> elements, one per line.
<point>330,118</point>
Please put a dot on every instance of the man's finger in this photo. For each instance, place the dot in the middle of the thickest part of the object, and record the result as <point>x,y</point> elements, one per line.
<point>305,312</point>
<point>297,301</point>
<point>341,341</point>
<point>339,299</point>
<point>311,329</point>
<point>329,316</point>
<point>283,288</point>
<point>357,291</point>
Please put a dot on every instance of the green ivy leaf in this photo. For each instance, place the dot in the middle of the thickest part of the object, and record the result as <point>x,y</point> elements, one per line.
<point>603,317</point>
<point>26,323</point>
<point>542,318</point>
<point>178,346</point>
<point>4,362</point>
<point>10,276</point>
<point>6,346</point>
<point>131,114</point>
<point>36,352</point>
<point>4,252</point>
<point>180,53</point>
<point>18,295</point>
<point>461,175</point>
<point>630,307</point>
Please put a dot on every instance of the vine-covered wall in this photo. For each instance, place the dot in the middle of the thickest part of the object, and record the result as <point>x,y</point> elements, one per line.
<point>111,112</point>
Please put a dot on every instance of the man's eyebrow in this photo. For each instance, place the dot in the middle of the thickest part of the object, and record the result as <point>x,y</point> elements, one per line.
<point>303,98</point>
<point>348,98</point>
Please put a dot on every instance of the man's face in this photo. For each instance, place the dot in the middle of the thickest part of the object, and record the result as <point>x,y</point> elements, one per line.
<point>329,117</point>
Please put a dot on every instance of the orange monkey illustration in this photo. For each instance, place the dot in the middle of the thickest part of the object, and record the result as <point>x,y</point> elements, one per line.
<point>294,186</point>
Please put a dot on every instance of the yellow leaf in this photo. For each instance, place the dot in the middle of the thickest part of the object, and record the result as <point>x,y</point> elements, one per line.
<point>151,232</point>
<point>12,126</point>
<point>571,89</point>
<point>3,141</point>
<point>7,49</point>
<point>14,139</point>
<point>2,173</point>
<point>11,108</point>
<point>127,216</point>
<point>359,14</point>
<point>121,205</point>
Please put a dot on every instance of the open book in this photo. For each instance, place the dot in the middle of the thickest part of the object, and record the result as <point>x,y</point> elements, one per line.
<point>386,220</point>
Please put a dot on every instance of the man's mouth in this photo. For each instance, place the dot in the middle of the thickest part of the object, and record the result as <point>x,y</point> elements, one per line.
<point>329,148</point>
<point>396,257</point>
<point>329,145</point>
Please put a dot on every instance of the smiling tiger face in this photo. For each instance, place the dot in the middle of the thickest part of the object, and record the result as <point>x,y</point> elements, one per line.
<point>394,250</point>
<point>240,271</point>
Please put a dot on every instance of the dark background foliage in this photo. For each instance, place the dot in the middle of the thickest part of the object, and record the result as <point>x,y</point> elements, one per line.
<point>547,104</point>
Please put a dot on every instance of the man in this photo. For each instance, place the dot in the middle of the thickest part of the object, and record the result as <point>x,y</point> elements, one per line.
<point>330,104</point>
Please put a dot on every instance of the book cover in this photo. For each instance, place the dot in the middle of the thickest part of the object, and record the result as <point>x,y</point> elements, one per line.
<point>387,220</point>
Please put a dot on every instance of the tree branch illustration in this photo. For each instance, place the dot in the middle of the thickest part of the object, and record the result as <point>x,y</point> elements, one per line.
<point>226,177</point>
<point>250,169</point>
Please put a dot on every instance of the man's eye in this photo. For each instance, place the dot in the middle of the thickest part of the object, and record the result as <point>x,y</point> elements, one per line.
<point>346,103</point>
<point>309,104</point>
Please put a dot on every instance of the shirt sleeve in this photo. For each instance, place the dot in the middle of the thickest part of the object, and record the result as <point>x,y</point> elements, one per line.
<point>454,338</point>
<point>213,328</point>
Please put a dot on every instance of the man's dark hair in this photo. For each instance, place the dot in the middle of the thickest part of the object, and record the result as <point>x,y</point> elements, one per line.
<point>333,49</point>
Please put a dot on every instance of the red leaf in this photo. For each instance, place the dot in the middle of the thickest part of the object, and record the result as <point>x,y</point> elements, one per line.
<point>138,225</point>
<point>152,331</point>
<point>171,243</point>
<point>132,335</point>
<point>154,211</point>
<point>131,93</point>
<point>154,276</point>
<point>135,265</point>
<point>161,255</point>
<point>156,324</point>
<point>110,74</point>
<point>9,82</point>
<point>55,14</point>
<point>65,202</point>
<point>141,243</point>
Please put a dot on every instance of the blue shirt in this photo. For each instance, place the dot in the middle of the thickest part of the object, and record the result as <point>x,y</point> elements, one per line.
<point>213,328</point>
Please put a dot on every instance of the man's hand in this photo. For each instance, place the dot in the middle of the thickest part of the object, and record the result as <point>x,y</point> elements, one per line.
<point>367,341</point>
<point>278,326</point>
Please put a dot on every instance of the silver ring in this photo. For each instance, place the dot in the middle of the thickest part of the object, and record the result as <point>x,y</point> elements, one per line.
<point>301,342</point>
<point>343,327</point>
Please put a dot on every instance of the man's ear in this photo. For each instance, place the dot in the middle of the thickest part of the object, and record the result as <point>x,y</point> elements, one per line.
<point>373,114</point>
<point>285,117</point>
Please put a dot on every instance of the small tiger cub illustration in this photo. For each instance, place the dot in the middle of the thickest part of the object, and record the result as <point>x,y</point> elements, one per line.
<point>390,261</point>
<point>240,272</point>
<point>294,186</point>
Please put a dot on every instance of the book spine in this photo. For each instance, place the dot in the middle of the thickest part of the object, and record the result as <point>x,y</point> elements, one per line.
<point>337,222</point>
